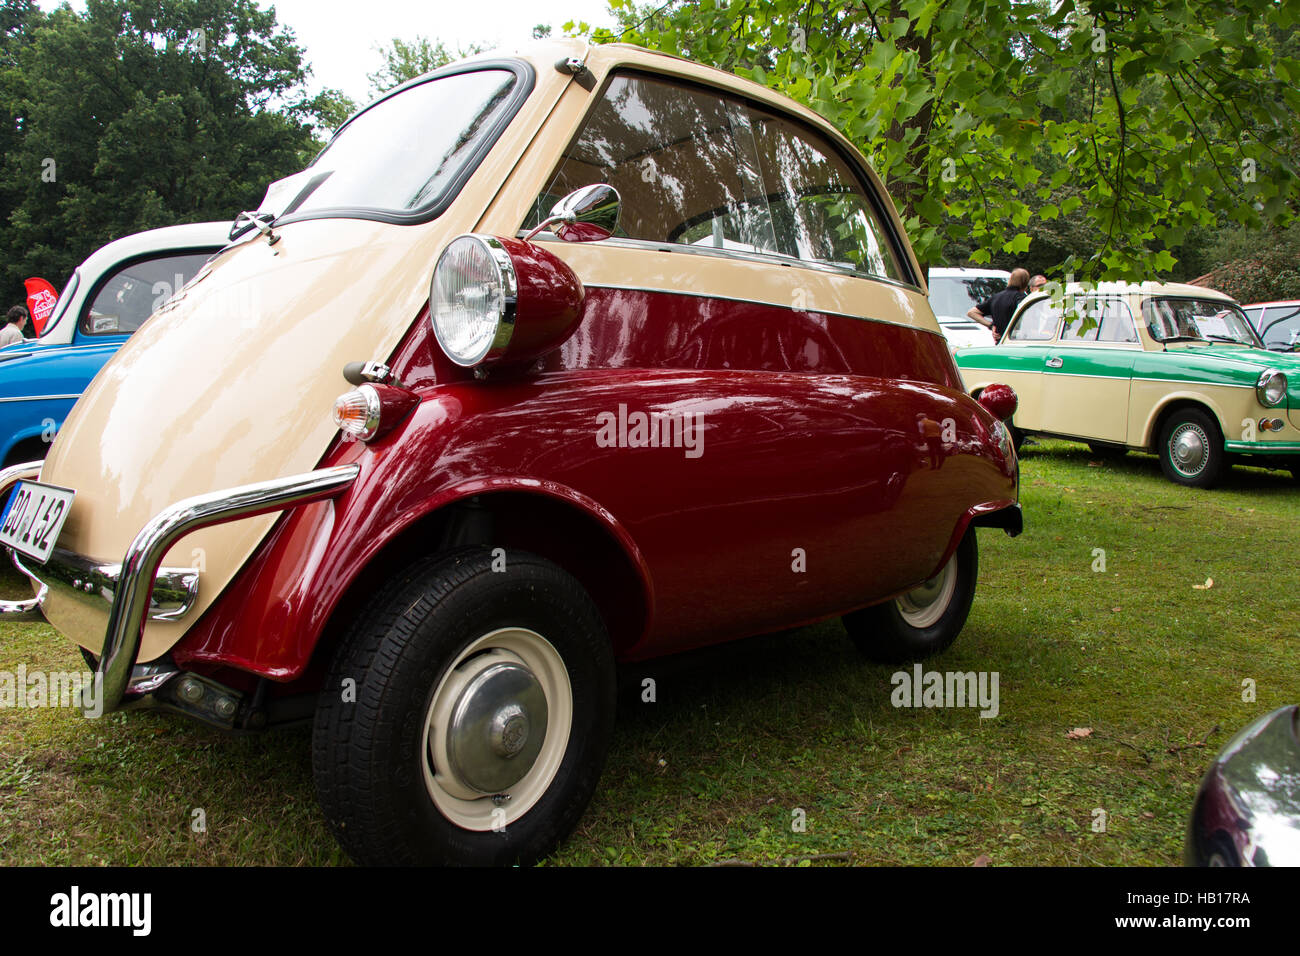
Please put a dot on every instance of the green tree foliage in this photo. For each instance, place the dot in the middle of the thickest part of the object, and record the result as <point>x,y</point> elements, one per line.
<point>1140,120</point>
<point>405,60</point>
<point>137,114</point>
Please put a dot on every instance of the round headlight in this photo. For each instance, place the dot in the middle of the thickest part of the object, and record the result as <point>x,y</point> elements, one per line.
<point>472,299</point>
<point>1271,388</point>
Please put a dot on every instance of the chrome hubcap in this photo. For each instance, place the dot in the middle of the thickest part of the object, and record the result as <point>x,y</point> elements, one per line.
<point>924,605</point>
<point>496,729</point>
<point>497,725</point>
<point>1188,450</point>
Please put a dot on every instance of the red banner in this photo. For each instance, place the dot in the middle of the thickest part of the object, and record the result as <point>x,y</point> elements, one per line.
<point>41,298</point>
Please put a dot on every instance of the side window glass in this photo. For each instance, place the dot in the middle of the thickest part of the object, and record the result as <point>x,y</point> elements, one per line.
<point>683,161</point>
<point>700,168</point>
<point>134,291</point>
<point>1036,324</point>
<point>1082,320</point>
<point>820,210</point>
<point>1117,322</point>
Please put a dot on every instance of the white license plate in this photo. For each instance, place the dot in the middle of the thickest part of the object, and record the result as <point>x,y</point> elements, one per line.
<point>33,517</point>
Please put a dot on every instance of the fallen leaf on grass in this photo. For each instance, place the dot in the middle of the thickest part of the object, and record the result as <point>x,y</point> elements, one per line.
<point>1209,583</point>
<point>1079,733</point>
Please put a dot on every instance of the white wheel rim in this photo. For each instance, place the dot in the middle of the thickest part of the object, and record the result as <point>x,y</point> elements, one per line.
<point>448,776</point>
<point>923,606</point>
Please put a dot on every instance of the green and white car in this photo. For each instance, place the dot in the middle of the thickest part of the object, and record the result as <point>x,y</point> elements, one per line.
<point>1173,369</point>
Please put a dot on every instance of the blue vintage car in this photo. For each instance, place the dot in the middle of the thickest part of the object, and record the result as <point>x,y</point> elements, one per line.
<point>106,299</point>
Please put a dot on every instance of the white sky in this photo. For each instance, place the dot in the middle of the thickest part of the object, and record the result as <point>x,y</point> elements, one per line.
<point>342,37</point>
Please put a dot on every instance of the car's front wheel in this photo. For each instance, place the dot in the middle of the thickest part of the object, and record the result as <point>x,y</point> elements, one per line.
<point>1191,449</point>
<point>467,714</point>
<point>925,620</point>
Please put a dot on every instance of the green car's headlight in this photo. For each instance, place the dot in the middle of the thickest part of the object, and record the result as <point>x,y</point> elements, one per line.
<point>1271,388</point>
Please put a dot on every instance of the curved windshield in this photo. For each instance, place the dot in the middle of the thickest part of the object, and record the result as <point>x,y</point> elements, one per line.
<point>1197,320</point>
<point>402,155</point>
<point>65,298</point>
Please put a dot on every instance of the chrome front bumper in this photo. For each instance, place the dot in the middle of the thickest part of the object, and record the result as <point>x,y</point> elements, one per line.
<point>139,588</point>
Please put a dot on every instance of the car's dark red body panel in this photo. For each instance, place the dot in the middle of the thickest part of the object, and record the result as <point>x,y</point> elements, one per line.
<point>840,444</point>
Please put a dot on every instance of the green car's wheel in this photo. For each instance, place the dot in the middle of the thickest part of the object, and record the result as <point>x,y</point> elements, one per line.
<point>1191,449</point>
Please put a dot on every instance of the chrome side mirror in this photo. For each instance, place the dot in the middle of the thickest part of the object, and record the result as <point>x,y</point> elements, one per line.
<point>585,215</point>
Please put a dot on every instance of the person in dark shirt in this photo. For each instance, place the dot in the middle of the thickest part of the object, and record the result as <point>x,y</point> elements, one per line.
<point>995,311</point>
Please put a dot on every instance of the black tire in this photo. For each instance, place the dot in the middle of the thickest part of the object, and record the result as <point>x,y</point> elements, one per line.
<point>376,780</point>
<point>896,632</point>
<point>1191,449</point>
<point>1107,452</point>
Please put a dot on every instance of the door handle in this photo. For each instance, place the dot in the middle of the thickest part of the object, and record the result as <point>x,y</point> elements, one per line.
<point>1055,362</point>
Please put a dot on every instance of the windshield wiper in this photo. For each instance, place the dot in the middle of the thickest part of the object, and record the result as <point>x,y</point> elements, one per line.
<point>1183,338</point>
<point>1225,338</point>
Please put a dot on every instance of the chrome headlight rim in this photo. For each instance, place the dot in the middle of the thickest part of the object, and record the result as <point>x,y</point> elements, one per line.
<point>499,341</point>
<point>1262,387</point>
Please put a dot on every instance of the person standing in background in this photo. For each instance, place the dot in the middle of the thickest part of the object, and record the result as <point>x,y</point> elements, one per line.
<point>1037,282</point>
<point>995,311</point>
<point>12,333</point>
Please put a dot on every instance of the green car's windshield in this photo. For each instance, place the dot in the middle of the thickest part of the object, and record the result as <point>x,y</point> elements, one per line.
<point>1197,320</point>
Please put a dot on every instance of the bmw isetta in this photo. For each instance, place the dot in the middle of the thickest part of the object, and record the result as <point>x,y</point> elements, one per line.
<point>641,361</point>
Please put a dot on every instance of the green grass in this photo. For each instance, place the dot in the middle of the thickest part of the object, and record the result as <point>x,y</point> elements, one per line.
<point>742,736</point>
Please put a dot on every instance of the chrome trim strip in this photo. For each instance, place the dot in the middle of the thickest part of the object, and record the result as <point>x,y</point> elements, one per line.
<point>1057,373</point>
<point>39,398</point>
<point>140,563</point>
<point>1184,381</point>
<point>762,258</point>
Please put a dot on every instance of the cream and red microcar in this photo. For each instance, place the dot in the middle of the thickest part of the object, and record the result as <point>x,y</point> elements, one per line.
<point>638,359</point>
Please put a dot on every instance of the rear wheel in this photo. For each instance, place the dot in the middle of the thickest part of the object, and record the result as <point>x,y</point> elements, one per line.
<point>924,621</point>
<point>1191,449</point>
<point>466,716</point>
